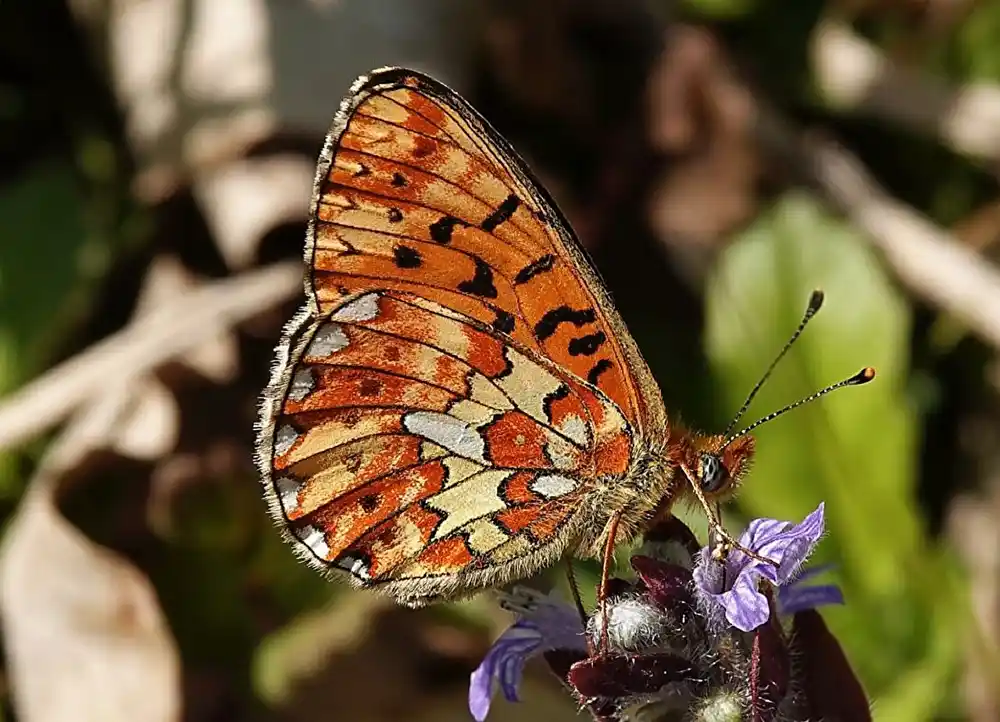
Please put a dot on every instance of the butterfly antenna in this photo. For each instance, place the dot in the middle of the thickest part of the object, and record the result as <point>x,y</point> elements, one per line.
<point>815,302</point>
<point>861,377</point>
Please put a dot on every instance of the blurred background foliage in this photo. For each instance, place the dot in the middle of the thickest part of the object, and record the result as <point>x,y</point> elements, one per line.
<point>720,158</point>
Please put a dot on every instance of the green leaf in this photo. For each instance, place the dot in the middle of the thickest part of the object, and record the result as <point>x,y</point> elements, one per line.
<point>44,240</point>
<point>721,9</point>
<point>976,51</point>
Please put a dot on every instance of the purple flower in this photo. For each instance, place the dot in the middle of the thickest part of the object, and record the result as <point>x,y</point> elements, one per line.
<point>731,589</point>
<point>797,596</point>
<point>669,653</point>
<point>544,625</point>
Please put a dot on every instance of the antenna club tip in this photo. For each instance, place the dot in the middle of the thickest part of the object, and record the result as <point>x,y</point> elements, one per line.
<point>816,300</point>
<point>865,375</point>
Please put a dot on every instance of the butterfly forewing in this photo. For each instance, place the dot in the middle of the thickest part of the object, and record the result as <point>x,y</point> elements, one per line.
<point>416,192</point>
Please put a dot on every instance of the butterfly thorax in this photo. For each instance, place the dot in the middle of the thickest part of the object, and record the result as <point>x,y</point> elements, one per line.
<point>660,475</point>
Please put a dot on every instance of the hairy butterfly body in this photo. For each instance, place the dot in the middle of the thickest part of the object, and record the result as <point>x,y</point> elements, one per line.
<point>459,404</point>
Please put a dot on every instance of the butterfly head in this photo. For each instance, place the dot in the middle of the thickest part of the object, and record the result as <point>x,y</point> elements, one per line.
<point>715,467</point>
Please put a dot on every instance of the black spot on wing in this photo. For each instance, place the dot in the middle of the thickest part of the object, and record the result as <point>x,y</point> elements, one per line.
<point>508,367</point>
<point>406,257</point>
<point>548,323</point>
<point>560,393</point>
<point>398,181</point>
<point>534,268</point>
<point>369,503</point>
<point>501,214</point>
<point>586,345</point>
<point>481,284</point>
<point>599,368</point>
<point>504,321</point>
<point>348,249</point>
<point>442,228</point>
<point>395,215</point>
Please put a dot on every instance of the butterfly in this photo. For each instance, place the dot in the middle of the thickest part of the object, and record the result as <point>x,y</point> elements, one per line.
<point>459,403</point>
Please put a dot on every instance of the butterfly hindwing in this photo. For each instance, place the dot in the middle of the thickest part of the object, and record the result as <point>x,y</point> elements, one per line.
<point>422,452</point>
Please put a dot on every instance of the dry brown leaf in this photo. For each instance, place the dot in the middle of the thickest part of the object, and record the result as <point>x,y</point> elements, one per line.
<point>84,634</point>
<point>852,74</point>
<point>151,426</point>
<point>972,525</point>
<point>189,321</point>
<point>701,116</point>
<point>244,200</point>
<point>85,638</point>
<point>217,357</point>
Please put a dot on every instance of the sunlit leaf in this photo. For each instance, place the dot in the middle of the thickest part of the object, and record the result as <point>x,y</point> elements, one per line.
<point>977,52</point>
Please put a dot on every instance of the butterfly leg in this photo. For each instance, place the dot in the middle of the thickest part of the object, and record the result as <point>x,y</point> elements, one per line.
<point>722,542</point>
<point>574,589</point>
<point>609,555</point>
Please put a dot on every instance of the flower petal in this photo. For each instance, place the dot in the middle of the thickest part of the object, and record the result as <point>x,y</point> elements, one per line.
<point>710,575</point>
<point>505,662</point>
<point>790,547</point>
<point>558,623</point>
<point>759,531</point>
<point>545,624</point>
<point>746,608</point>
<point>509,675</point>
<point>733,586</point>
<point>797,598</point>
<point>480,693</point>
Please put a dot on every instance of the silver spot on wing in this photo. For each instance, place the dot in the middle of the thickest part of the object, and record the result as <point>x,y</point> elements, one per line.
<point>362,308</point>
<point>329,339</point>
<point>457,436</point>
<point>284,439</point>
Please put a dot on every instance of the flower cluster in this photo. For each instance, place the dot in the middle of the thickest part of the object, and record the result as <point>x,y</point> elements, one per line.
<point>691,637</point>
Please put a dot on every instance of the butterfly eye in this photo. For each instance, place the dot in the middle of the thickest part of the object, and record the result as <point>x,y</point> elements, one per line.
<point>713,474</point>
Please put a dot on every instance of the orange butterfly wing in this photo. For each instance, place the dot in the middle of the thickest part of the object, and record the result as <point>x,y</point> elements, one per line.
<point>459,383</point>
<point>416,450</point>
<point>415,191</point>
